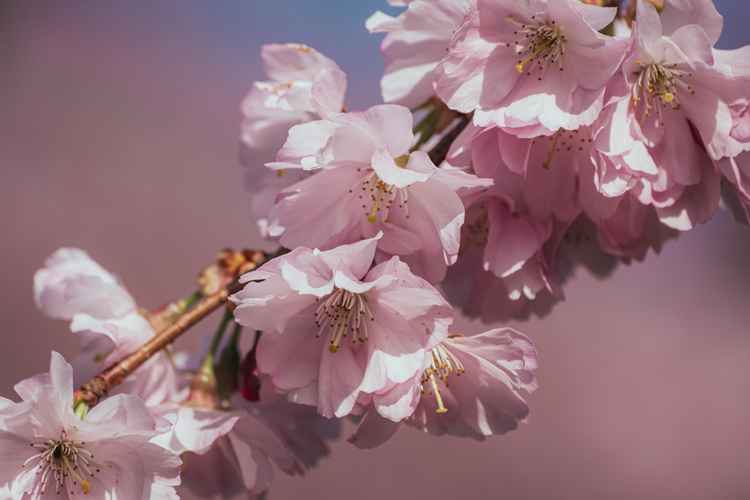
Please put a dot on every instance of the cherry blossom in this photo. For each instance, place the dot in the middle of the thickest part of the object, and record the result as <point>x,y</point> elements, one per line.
<point>303,85</point>
<point>309,301</point>
<point>371,183</point>
<point>535,66</point>
<point>47,449</point>
<point>470,387</point>
<point>678,109</point>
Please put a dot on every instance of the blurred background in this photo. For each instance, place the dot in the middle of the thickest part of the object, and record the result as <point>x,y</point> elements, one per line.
<point>119,126</point>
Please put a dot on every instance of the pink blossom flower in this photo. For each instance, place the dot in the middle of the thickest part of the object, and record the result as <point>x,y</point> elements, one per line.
<point>303,85</point>
<point>229,453</point>
<point>680,105</point>
<point>471,387</point>
<point>535,66</point>
<point>416,42</point>
<point>48,450</point>
<point>371,183</point>
<point>104,315</point>
<point>309,301</point>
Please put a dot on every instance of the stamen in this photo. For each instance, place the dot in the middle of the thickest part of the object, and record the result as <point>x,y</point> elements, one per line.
<point>378,198</point>
<point>659,86</point>
<point>539,45</point>
<point>444,364</point>
<point>65,461</point>
<point>343,313</point>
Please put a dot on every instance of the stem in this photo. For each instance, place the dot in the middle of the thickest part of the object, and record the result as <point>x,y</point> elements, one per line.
<point>91,392</point>
<point>441,149</point>
<point>219,335</point>
<point>235,334</point>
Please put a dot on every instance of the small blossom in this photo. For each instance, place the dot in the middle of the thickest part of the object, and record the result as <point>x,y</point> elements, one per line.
<point>303,85</point>
<point>416,42</point>
<point>349,329</point>
<point>470,387</point>
<point>48,450</point>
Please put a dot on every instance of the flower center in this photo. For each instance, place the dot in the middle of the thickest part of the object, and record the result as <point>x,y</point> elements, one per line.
<point>343,313</point>
<point>443,364</point>
<point>538,46</point>
<point>378,198</point>
<point>658,86</point>
<point>64,462</point>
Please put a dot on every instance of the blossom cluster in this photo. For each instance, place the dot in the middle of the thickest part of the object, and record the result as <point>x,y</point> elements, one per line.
<point>517,140</point>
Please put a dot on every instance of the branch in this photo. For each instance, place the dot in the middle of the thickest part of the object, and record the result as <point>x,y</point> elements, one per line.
<point>441,149</point>
<point>216,292</point>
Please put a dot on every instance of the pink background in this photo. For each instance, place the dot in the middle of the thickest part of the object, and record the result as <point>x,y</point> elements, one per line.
<point>118,134</point>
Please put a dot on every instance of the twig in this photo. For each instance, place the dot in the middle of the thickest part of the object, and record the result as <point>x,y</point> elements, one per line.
<point>441,149</point>
<point>92,391</point>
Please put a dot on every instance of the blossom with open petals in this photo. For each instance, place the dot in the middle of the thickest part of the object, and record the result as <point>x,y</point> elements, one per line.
<point>532,66</point>
<point>470,387</point>
<point>347,328</point>
<point>366,181</point>
<point>679,108</point>
<point>47,450</point>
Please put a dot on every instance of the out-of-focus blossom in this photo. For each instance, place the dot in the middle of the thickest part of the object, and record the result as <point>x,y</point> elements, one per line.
<point>104,315</point>
<point>47,450</point>
<point>533,66</point>
<point>471,387</point>
<point>303,85</point>
<point>71,283</point>
<point>416,41</point>
<point>367,181</point>
<point>309,301</point>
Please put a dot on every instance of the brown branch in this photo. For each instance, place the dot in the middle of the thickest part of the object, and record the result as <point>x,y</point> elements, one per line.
<point>91,392</point>
<point>441,149</point>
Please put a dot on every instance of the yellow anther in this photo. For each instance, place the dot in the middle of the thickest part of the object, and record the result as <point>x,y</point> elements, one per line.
<point>519,66</point>
<point>280,173</point>
<point>438,398</point>
<point>667,97</point>
<point>402,161</point>
<point>86,487</point>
